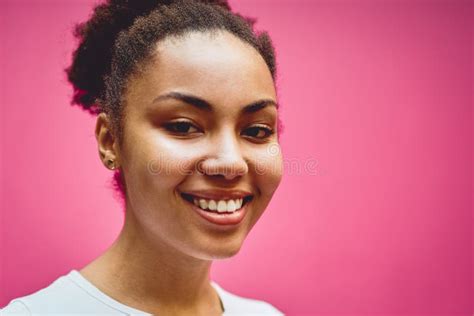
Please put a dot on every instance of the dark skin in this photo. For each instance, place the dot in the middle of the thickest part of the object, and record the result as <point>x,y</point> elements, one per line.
<point>160,262</point>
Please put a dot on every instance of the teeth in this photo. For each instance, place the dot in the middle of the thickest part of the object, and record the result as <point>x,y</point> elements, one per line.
<point>203,204</point>
<point>231,206</point>
<point>220,206</point>
<point>212,205</point>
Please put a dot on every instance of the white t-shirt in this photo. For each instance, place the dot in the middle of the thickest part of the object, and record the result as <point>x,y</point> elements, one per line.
<point>72,294</point>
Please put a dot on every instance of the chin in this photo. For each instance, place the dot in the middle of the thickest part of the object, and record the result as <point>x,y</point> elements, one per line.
<point>220,251</point>
<point>227,253</point>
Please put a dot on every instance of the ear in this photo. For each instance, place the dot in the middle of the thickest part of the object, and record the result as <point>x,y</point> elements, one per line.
<point>107,142</point>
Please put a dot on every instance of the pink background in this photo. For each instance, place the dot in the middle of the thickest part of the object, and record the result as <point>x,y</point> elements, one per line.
<point>374,211</point>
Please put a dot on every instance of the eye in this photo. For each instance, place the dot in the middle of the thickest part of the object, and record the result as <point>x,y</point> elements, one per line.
<point>181,127</point>
<point>260,132</point>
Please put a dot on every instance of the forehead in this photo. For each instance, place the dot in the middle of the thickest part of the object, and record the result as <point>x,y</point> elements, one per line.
<point>217,66</point>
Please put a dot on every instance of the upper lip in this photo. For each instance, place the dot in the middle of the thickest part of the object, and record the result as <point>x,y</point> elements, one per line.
<point>217,194</point>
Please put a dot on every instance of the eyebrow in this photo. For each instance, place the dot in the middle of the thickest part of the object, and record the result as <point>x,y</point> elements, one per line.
<point>206,106</point>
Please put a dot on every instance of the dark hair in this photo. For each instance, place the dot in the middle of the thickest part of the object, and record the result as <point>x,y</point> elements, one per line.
<point>121,35</point>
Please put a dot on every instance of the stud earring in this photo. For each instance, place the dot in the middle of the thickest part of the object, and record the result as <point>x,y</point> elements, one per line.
<point>111,164</point>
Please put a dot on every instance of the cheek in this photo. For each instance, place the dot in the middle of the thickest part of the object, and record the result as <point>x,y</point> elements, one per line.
<point>267,165</point>
<point>151,161</point>
<point>167,160</point>
<point>154,168</point>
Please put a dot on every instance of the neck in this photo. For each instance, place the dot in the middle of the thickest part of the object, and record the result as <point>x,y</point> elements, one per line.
<point>148,274</point>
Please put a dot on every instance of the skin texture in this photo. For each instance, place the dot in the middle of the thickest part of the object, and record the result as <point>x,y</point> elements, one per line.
<point>160,262</point>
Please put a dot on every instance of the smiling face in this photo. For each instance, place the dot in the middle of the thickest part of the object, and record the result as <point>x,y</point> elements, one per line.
<point>199,119</point>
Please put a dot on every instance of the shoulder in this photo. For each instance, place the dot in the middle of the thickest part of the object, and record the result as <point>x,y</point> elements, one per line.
<point>41,300</point>
<point>16,307</point>
<point>63,295</point>
<point>239,305</point>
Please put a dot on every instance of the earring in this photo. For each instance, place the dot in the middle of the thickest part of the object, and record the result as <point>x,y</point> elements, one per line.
<point>111,164</point>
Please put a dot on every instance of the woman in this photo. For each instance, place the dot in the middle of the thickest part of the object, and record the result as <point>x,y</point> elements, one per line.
<point>187,116</point>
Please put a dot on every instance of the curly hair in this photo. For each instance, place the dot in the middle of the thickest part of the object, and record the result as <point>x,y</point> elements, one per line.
<point>121,35</point>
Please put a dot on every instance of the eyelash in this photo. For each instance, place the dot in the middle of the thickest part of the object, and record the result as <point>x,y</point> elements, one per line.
<point>169,126</point>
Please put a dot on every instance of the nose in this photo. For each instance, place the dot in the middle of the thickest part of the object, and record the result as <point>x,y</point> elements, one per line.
<point>224,157</point>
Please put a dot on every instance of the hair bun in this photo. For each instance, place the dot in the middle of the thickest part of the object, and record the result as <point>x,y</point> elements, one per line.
<point>91,59</point>
<point>96,37</point>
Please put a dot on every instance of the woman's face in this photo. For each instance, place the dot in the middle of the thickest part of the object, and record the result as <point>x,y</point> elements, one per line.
<point>186,131</point>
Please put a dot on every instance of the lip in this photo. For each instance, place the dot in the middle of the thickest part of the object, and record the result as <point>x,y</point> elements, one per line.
<point>223,220</point>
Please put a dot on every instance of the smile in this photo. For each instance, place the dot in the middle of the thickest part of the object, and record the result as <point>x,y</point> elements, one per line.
<point>225,218</point>
<point>217,206</point>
